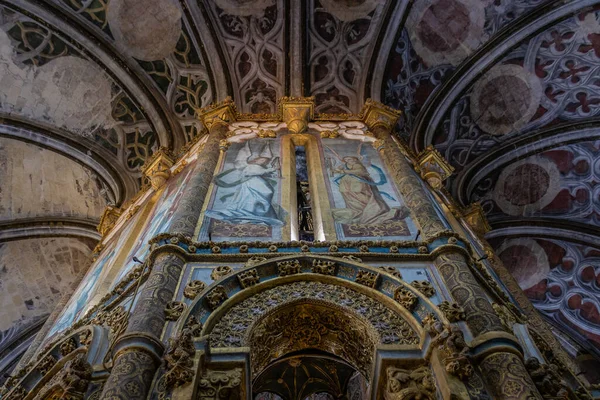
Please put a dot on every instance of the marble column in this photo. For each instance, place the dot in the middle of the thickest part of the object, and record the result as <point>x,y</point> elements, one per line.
<point>137,353</point>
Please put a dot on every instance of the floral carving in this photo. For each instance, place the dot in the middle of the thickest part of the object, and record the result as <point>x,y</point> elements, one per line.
<point>179,358</point>
<point>424,287</point>
<point>409,384</point>
<point>406,298</point>
<point>230,331</point>
<point>452,311</point>
<point>173,310</point>
<point>254,260</point>
<point>220,272</point>
<point>193,289</point>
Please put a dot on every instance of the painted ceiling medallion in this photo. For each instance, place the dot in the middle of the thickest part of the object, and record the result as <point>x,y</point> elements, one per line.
<point>526,260</point>
<point>505,99</point>
<point>148,30</point>
<point>245,8</point>
<point>527,186</point>
<point>350,10</point>
<point>446,31</point>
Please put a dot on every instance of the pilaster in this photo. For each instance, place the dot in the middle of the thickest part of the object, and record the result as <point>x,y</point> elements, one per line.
<point>381,120</point>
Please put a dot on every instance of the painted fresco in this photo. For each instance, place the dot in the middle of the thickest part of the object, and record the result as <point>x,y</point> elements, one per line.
<point>363,200</point>
<point>246,194</point>
<point>79,302</point>
<point>159,219</point>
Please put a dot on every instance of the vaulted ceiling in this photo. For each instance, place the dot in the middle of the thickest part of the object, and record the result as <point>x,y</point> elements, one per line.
<point>507,90</point>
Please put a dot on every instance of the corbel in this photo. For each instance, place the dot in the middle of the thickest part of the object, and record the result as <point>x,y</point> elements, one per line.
<point>109,219</point>
<point>433,167</point>
<point>158,168</point>
<point>297,112</point>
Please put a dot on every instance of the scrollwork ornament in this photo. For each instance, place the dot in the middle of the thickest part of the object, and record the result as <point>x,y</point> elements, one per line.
<point>220,384</point>
<point>452,311</point>
<point>221,272</point>
<point>193,289</point>
<point>173,310</point>
<point>255,260</point>
<point>409,384</point>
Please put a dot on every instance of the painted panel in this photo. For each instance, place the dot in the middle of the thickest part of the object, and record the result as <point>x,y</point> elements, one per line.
<point>364,202</point>
<point>159,219</point>
<point>79,302</point>
<point>246,195</point>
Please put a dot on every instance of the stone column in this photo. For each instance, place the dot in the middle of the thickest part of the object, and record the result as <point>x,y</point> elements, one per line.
<point>381,120</point>
<point>216,120</point>
<point>501,363</point>
<point>137,353</point>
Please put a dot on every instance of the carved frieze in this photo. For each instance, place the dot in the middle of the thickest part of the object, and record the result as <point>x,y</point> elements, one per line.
<point>406,384</point>
<point>367,278</point>
<point>323,267</point>
<point>216,296</point>
<point>289,267</point>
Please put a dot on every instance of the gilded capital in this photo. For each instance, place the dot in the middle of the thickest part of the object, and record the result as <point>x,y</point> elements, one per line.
<point>475,217</point>
<point>297,112</point>
<point>109,219</point>
<point>217,114</point>
<point>433,167</point>
<point>158,168</point>
<point>375,114</point>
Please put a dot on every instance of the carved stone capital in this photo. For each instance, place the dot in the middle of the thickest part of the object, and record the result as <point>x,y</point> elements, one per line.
<point>217,114</point>
<point>376,114</point>
<point>433,167</point>
<point>109,219</point>
<point>297,112</point>
<point>475,217</point>
<point>158,168</point>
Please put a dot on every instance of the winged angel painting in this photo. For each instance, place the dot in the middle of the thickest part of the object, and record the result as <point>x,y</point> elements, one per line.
<point>370,206</point>
<point>248,187</point>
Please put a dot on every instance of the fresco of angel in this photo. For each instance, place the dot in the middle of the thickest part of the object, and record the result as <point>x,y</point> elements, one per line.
<point>246,190</point>
<point>365,204</point>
